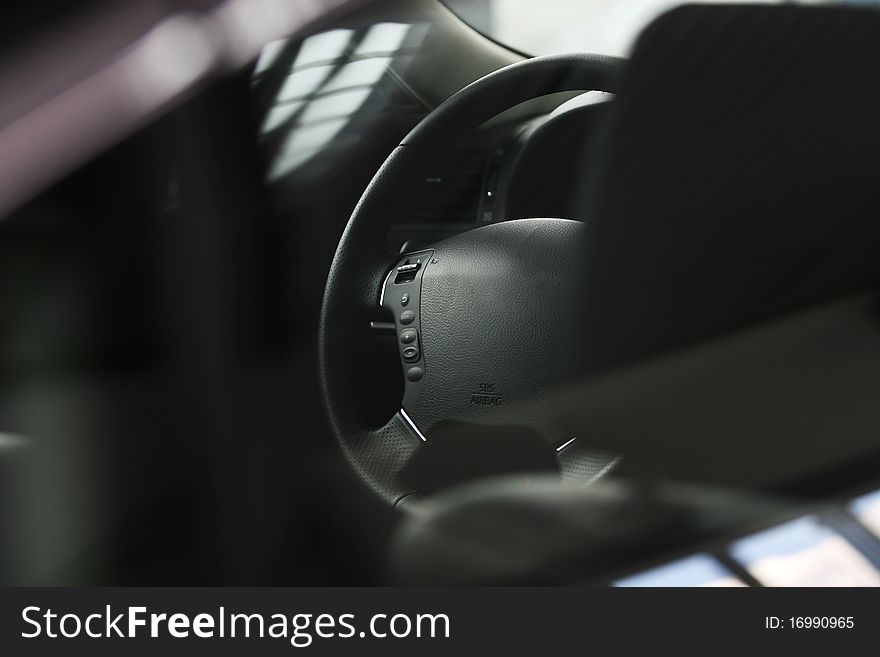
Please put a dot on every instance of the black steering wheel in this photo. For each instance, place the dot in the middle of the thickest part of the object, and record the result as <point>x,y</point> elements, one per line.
<point>483,319</point>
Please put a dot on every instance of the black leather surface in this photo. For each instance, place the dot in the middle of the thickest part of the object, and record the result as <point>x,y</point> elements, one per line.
<point>738,176</point>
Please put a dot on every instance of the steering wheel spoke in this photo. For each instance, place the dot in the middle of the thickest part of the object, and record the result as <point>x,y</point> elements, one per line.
<point>380,455</point>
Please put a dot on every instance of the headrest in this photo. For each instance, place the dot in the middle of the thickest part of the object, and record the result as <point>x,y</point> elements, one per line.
<point>738,176</point>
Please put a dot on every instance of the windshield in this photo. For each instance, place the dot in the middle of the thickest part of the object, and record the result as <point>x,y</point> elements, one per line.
<point>559,26</point>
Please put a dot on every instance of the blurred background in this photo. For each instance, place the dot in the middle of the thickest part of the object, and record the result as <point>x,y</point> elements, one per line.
<point>174,179</point>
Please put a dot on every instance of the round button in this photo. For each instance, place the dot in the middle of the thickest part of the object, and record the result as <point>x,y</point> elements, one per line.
<point>404,298</point>
<point>411,353</point>
<point>415,373</point>
<point>407,317</point>
<point>408,336</point>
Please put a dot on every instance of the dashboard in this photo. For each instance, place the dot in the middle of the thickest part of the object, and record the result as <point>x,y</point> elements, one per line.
<point>500,173</point>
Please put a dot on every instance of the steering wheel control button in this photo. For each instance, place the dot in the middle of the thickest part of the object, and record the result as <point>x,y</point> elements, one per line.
<point>401,299</point>
<point>406,273</point>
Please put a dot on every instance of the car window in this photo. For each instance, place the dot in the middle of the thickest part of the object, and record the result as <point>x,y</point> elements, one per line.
<point>557,26</point>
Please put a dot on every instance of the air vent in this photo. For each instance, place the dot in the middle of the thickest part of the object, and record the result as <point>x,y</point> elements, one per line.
<point>451,191</point>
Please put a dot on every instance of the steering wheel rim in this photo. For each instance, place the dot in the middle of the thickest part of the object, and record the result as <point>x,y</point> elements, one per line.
<point>361,264</point>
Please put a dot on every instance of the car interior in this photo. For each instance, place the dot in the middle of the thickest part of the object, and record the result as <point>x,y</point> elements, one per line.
<point>359,293</point>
